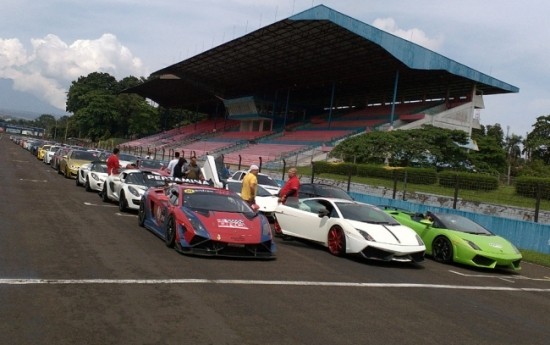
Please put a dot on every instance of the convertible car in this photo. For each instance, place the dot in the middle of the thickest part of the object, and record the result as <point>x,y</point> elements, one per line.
<point>203,220</point>
<point>92,176</point>
<point>453,238</point>
<point>352,227</point>
<point>128,187</point>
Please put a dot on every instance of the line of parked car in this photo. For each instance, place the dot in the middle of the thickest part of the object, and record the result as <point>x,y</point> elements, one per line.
<point>208,217</point>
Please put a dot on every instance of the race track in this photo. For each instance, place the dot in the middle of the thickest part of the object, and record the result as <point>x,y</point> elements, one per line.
<point>74,270</point>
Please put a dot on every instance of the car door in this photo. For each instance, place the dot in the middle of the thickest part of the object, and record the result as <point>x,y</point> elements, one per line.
<point>302,220</point>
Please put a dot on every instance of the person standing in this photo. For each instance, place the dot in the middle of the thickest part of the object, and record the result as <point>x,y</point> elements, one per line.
<point>179,168</point>
<point>250,185</point>
<point>172,164</point>
<point>291,187</point>
<point>194,171</point>
<point>113,163</point>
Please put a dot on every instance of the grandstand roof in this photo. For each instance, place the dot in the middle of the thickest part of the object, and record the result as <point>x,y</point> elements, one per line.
<point>304,56</point>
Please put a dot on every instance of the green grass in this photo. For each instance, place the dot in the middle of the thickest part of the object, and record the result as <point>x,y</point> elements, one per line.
<point>536,258</point>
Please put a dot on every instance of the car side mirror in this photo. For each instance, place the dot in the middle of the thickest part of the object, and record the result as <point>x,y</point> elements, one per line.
<point>322,213</point>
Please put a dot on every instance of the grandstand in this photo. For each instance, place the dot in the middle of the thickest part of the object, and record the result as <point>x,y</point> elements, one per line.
<point>306,82</point>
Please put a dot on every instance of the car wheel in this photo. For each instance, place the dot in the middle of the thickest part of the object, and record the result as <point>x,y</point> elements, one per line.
<point>170,234</point>
<point>104,196</point>
<point>277,228</point>
<point>122,203</point>
<point>141,213</point>
<point>78,184</point>
<point>336,241</point>
<point>59,170</point>
<point>442,250</point>
<point>87,185</point>
<point>66,173</point>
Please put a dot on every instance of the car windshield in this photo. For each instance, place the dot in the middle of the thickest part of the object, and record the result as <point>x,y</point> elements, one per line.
<point>127,157</point>
<point>332,192</point>
<point>145,179</point>
<point>459,223</point>
<point>266,180</point>
<point>151,164</point>
<point>210,201</point>
<point>101,168</point>
<point>364,213</point>
<point>84,155</point>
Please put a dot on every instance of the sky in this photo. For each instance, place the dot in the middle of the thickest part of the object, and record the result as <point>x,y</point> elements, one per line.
<point>47,44</point>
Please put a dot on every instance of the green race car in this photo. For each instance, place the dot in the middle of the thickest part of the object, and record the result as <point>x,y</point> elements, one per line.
<point>453,238</point>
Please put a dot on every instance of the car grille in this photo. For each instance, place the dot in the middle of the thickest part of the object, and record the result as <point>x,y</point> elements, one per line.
<point>378,254</point>
<point>483,261</point>
<point>201,246</point>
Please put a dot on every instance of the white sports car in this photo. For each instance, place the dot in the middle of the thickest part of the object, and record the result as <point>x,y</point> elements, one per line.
<point>345,226</point>
<point>127,188</point>
<point>92,176</point>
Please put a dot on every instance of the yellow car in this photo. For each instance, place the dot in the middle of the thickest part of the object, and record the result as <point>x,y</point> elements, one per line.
<point>73,160</point>
<point>42,151</point>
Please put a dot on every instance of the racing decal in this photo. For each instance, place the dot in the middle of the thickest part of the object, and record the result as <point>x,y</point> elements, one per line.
<point>232,223</point>
<point>159,213</point>
<point>189,191</point>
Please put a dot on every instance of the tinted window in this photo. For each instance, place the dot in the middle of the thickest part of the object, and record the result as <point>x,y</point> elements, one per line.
<point>459,223</point>
<point>215,202</point>
<point>266,180</point>
<point>84,155</point>
<point>365,213</point>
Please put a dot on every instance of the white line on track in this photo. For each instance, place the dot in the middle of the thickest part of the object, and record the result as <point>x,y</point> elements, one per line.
<point>100,205</point>
<point>27,180</point>
<point>256,282</point>
<point>506,278</point>
<point>125,214</point>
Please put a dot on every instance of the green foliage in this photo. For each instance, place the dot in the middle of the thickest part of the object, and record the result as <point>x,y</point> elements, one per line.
<point>469,181</point>
<point>101,110</point>
<point>537,143</point>
<point>334,168</point>
<point>529,186</point>
<point>422,147</point>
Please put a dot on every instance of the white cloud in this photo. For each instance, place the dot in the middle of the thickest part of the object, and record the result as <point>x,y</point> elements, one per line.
<point>51,65</point>
<point>414,35</point>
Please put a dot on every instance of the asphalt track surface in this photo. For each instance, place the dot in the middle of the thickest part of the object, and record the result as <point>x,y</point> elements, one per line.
<point>73,270</point>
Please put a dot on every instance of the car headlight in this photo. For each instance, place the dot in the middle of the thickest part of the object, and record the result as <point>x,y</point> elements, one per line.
<point>472,244</point>
<point>516,250</point>
<point>134,191</point>
<point>198,227</point>
<point>95,177</point>
<point>420,242</point>
<point>366,235</point>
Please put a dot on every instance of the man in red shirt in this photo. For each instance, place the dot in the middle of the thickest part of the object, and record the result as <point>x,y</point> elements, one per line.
<point>291,187</point>
<point>113,164</point>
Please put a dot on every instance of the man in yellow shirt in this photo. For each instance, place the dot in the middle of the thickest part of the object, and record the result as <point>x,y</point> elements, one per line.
<point>250,185</point>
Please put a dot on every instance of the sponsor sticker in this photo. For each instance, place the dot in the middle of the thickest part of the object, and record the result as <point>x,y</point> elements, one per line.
<point>232,223</point>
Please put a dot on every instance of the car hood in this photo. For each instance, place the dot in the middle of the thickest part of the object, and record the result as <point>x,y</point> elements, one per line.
<point>391,234</point>
<point>267,203</point>
<point>231,227</point>
<point>490,244</point>
<point>77,162</point>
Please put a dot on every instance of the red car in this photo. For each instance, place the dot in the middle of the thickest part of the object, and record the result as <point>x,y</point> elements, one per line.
<point>203,220</point>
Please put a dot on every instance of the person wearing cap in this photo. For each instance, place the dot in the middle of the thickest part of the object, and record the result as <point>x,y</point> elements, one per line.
<point>291,187</point>
<point>250,185</point>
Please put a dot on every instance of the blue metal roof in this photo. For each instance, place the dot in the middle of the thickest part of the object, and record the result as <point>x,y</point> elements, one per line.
<point>409,53</point>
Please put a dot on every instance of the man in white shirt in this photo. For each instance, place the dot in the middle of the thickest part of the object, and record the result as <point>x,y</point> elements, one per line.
<point>172,163</point>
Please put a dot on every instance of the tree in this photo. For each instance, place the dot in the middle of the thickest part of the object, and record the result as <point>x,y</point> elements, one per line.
<point>101,110</point>
<point>537,143</point>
